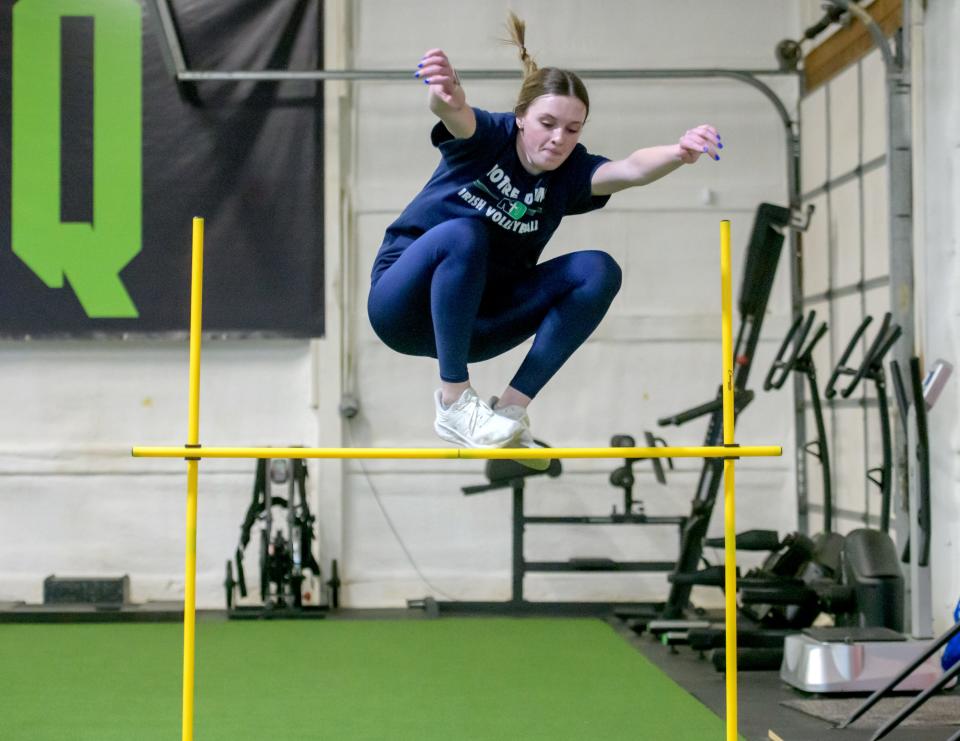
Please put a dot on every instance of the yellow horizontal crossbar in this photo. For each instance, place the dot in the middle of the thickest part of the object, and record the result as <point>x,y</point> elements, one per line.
<point>752,451</point>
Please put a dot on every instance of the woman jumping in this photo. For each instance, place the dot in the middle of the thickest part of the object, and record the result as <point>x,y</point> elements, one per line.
<point>457,277</point>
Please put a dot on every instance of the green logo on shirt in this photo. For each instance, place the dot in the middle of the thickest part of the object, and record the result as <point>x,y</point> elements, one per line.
<point>517,210</point>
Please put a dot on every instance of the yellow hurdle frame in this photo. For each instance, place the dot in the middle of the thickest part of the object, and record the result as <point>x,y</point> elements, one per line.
<point>192,452</point>
<point>753,451</point>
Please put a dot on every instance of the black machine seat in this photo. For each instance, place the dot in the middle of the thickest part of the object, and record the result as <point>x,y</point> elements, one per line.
<point>504,471</point>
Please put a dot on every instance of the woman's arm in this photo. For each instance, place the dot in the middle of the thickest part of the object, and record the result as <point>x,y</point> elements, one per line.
<point>652,163</point>
<point>447,99</point>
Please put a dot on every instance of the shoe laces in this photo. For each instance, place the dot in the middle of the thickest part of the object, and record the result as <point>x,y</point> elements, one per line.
<point>479,414</point>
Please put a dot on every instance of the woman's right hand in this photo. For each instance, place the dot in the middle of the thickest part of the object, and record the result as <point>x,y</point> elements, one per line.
<point>437,72</point>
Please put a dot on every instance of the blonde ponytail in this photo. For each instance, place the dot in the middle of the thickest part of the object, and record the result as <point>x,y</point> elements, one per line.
<point>516,30</point>
<point>539,81</point>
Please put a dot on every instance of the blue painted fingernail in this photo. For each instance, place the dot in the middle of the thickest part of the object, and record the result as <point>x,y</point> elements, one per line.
<point>704,149</point>
<point>718,136</point>
<point>719,145</point>
<point>420,65</point>
<point>416,74</point>
<point>717,158</point>
<point>426,81</point>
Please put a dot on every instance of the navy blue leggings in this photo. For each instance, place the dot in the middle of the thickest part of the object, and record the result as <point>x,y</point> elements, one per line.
<point>445,297</point>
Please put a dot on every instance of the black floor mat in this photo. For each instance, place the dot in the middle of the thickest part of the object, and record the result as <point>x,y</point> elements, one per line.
<point>942,710</point>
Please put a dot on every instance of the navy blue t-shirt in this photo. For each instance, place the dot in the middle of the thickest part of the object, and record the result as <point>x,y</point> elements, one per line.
<point>482,178</point>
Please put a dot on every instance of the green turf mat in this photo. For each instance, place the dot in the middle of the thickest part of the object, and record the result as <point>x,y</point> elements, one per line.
<point>450,679</point>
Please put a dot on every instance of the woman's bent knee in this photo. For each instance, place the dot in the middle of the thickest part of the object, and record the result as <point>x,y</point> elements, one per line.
<point>601,272</point>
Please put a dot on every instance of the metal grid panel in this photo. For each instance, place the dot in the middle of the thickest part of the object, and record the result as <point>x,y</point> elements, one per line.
<point>846,268</point>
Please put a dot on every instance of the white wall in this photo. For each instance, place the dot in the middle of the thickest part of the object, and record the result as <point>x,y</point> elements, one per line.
<point>72,500</point>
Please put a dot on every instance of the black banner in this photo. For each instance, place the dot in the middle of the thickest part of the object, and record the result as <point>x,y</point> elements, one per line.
<point>105,159</point>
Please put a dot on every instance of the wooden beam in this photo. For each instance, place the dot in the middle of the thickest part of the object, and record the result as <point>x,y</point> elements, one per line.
<point>848,45</point>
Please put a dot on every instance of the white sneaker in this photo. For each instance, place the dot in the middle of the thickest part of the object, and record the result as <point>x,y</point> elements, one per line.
<point>519,414</point>
<point>470,422</point>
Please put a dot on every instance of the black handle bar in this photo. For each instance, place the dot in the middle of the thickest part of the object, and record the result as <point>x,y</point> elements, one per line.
<point>801,350</point>
<point>740,400</point>
<point>841,368</point>
<point>872,358</point>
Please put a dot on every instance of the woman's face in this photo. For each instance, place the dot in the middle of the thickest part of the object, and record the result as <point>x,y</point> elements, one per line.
<point>549,130</point>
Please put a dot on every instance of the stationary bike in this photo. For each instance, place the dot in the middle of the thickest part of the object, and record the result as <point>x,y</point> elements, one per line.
<point>286,557</point>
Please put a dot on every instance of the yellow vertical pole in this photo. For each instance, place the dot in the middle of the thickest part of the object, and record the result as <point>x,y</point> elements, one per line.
<point>193,440</point>
<point>729,508</point>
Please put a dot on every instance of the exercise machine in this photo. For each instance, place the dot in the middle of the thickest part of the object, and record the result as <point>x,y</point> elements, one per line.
<point>871,368</point>
<point>856,579</point>
<point>914,506</point>
<point>289,572</point>
<point>508,474</point>
<point>800,360</point>
<point>857,661</point>
<point>860,663</point>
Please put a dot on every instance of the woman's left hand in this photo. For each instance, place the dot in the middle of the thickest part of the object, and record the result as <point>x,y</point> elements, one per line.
<point>703,139</point>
